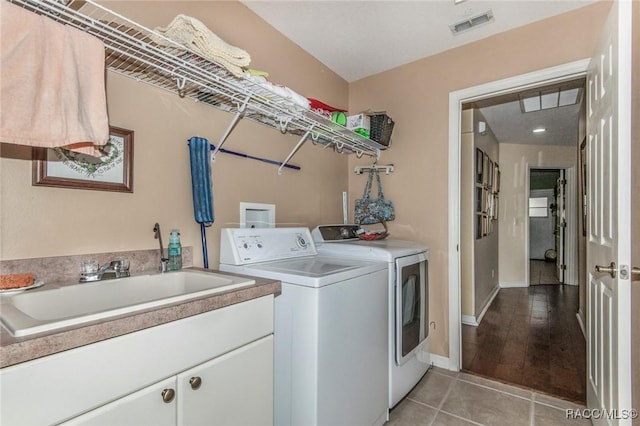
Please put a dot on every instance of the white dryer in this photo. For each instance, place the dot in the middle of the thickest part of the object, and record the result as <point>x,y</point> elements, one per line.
<point>330,338</point>
<point>408,286</point>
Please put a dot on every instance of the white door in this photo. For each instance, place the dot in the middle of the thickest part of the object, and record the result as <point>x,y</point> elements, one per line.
<point>233,389</point>
<point>561,226</point>
<point>608,239</point>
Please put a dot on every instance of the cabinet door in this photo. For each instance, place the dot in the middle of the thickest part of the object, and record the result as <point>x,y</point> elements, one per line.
<point>233,389</point>
<point>144,407</point>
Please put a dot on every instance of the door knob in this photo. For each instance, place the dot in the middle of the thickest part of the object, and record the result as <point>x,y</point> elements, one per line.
<point>611,269</point>
<point>195,382</point>
<point>168,395</point>
<point>635,273</point>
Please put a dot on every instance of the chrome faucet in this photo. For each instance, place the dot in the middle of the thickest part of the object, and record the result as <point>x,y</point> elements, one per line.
<point>115,269</point>
<point>164,261</point>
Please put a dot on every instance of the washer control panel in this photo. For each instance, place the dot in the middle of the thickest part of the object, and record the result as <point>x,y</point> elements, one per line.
<point>241,246</point>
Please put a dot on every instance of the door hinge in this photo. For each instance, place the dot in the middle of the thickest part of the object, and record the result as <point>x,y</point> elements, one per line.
<point>563,182</point>
<point>563,267</point>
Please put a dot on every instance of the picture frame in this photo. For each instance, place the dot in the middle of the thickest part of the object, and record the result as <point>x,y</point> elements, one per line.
<point>479,199</point>
<point>479,226</point>
<point>583,184</point>
<point>496,178</point>
<point>490,173</point>
<point>496,203</point>
<point>485,225</point>
<point>485,167</point>
<point>479,165</point>
<point>59,167</point>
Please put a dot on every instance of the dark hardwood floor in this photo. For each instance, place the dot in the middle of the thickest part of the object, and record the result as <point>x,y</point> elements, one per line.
<point>530,337</point>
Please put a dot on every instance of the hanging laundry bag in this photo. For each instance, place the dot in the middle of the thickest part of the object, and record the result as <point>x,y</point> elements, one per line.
<point>373,210</point>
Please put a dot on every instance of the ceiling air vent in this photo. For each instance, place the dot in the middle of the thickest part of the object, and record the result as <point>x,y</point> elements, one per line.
<point>473,22</point>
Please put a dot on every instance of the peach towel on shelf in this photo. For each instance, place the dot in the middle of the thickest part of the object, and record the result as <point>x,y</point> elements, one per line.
<point>52,83</point>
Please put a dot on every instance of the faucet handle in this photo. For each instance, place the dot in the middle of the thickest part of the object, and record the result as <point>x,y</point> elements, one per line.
<point>164,265</point>
<point>120,265</point>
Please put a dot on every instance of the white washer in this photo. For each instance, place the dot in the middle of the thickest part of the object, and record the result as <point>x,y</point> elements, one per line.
<point>330,326</point>
<point>408,285</point>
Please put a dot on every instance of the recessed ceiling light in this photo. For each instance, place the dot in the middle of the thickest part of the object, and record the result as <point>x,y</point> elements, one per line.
<point>539,130</point>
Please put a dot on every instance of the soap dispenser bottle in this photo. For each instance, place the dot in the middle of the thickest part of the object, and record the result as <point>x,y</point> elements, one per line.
<point>175,251</point>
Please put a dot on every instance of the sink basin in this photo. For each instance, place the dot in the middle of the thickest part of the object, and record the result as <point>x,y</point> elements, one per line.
<point>47,309</point>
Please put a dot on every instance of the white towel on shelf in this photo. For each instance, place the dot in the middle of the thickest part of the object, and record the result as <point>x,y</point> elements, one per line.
<point>195,36</point>
<point>280,90</point>
<point>52,88</point>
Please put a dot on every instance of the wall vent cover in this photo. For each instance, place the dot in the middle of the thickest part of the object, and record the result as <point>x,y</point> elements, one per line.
<point>470,23</point>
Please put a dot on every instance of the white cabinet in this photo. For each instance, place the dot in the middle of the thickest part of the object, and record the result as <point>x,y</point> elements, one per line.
<point>233,389</point>
<point>119,381</point>
<point>143,408</point>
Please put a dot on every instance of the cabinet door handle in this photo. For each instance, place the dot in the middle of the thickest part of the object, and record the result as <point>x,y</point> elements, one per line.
<point>168,395</point>
<point>195,382</point>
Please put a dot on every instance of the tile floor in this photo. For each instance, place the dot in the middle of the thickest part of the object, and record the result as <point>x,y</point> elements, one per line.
<point>541,272</point>
<point>447,398</point>
<point>530,337</point>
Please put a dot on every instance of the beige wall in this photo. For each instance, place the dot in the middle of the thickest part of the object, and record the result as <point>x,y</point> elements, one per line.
<point>41,221</point>
<point>417,97</point>
<point>486,249</point>
<point>478,257</point>
<point>515,162</point>
<point>467,216</point>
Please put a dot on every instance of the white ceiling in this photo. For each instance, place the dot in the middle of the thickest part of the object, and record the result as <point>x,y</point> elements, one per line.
<point>359,38</point>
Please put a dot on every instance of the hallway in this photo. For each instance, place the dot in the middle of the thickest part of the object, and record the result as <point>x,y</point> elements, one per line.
<point>541,272</point>
<point>530,337</point>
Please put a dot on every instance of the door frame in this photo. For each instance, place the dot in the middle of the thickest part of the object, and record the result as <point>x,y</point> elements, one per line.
<point>559,73</point>
<point>571,233</point>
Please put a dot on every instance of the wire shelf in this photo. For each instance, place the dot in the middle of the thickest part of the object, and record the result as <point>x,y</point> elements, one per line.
<point>134,51</point>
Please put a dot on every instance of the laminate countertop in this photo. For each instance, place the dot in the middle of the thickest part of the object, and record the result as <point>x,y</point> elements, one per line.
<point>14,350</point>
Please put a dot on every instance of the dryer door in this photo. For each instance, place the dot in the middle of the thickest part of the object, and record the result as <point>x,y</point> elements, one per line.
<point>411,305</point>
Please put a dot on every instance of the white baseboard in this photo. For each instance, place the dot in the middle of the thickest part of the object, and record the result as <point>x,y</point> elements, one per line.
<point>442,362</point>
<point>475,321</point>
<point>469,320</point>
<point>579,316</point>
<point>513,284</point>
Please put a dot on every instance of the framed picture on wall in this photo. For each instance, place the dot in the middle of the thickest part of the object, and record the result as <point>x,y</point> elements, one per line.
<point>496,203</point>
<point>479,165</point>
<point>496,178</point>
<point>112,171</point>
<point>479,226</point>
<point>490,174</point>
<point>478,199</point>
<point>583,184</point>
<point>485,225</point>
<point>485,167</point>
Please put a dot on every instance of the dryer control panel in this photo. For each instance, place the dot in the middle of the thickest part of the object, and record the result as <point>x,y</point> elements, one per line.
<point>242,246</point>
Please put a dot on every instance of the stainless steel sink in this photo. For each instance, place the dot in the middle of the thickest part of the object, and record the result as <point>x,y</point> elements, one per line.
<point>52,307</point>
